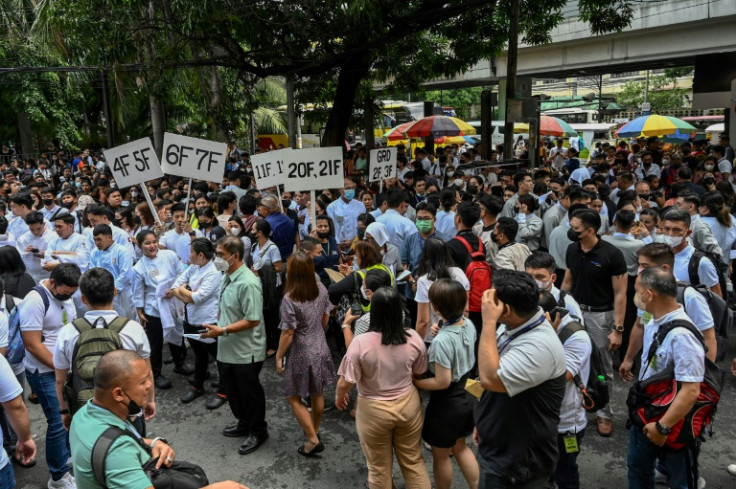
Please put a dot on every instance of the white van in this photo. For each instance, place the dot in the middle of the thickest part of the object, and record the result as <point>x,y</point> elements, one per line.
<point>498,132</point>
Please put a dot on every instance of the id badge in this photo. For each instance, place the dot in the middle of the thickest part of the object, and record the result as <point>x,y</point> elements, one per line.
<point>571,443</point>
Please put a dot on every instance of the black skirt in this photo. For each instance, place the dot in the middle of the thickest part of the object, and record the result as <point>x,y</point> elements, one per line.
<point>449,415</point>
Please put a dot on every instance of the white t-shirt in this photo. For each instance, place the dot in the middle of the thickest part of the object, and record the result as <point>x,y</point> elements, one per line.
<point>179,243</point>
<point>32,318</point>
<point>679,348</point>
<point>9,390</point>
<point>132,336</point>
<point>422,295</point>
<point>577,350</point>
<point>706,271</point>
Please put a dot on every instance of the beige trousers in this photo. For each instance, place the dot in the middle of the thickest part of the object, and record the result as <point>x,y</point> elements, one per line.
<point>385,427</point>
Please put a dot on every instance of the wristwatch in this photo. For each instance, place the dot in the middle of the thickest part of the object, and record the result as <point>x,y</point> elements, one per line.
<point>63,411</point>
<point>158,438</point>
<point>662,430</point>
<point>224,331</point>
<point>619,328</point>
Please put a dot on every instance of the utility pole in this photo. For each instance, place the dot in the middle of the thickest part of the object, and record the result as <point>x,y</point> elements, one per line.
<point>513,51</point>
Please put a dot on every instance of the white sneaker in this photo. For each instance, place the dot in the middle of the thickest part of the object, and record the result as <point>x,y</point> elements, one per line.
<point>701,483</point>
<point>66,482</point>
<point>731,469</point>
<point>660,478</point>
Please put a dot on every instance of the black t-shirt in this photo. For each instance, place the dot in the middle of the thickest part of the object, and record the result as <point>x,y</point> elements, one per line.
<point>523,430</point>
<point>592,272</point>
<point>458,251</point>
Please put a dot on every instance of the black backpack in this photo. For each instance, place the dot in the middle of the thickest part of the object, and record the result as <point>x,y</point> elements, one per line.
<point>721,269</point>
<point>722,314</point>
<point>595,390</point>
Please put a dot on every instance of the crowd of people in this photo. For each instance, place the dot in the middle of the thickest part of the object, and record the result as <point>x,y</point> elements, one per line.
<point>389,291</point>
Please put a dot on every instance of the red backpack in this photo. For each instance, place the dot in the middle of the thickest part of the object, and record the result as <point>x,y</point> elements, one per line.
<point>479,274</point>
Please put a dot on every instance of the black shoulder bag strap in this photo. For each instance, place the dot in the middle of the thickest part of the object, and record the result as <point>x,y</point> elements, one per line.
<point>102,447</point>
<point>662,333</point>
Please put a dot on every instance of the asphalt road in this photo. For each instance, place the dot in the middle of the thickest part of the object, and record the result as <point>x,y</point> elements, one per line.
<point>195,433</point>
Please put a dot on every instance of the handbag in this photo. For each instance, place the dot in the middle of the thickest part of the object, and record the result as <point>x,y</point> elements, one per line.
<point>180,475</point>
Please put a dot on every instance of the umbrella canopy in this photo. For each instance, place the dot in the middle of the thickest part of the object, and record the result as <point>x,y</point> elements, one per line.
<point>548,126</point>
<point>452,140</point>
<point>554,126</point>
<point>397,133</point>
<point>436,126</point>
<point>654,125</point>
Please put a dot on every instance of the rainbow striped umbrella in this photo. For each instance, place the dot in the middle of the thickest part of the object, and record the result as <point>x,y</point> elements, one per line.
<point>436,126</point>
<point>655,125</point>
<point>397,133</point>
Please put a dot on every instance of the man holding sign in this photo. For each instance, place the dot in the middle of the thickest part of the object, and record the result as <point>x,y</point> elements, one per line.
<point>344,213</point>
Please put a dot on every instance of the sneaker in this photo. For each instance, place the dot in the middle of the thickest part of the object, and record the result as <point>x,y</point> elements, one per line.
<point>66,482</point>
<point>701,483</point>
<point>660,478</point>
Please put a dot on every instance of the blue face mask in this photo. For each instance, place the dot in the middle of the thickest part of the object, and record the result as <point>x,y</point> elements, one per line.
<point>349,193</point>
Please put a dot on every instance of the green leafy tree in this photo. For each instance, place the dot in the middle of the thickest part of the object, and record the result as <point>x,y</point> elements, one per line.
<point>664,94</point>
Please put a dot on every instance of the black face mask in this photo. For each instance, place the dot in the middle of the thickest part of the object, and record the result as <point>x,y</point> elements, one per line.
<point>516,209</point>
<point>133,408</point>
<point>67,205</point>
<point>47,201</point>
<point>62,297</point>
<point>286,203</point>
<point>573,235</point>
<point>205,224</point>
<point>709,180</point>
<point>494,237</point>
<point>324,235</point>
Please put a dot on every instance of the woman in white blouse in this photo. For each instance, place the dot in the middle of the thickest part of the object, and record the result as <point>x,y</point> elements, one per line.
<point>155,270</point>
<point>199,289</point>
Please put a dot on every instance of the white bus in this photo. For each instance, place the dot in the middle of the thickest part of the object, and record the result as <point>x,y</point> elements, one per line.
<point>573,115</point>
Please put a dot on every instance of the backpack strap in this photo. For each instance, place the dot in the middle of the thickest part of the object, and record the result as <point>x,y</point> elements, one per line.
<point>82,325</point>
<point>465,243</point>
<point>561,300</point>
<point>665,329</point>
<point>692,267</point>
<point>101,448</point>
<point>118,324</point>
<point>569,330</point>
<point>9,303</point>
<point>45,298</point>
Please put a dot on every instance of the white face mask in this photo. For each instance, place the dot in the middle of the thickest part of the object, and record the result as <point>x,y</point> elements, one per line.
<point>671,241</point>
<point>450,173</point>
<point>709,167</point>
<point>221,264</point>
<point>458,182</point>
<point>543,285</point>
<point>236,231</point>
<point>364,293</point>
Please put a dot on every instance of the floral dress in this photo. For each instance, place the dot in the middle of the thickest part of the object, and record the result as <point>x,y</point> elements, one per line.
<point>309,366</point>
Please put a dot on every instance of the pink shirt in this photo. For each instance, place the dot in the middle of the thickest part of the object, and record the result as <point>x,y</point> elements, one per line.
<point>383,372</point>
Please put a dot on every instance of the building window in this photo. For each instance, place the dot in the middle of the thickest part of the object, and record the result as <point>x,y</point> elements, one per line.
<point>625,74</point>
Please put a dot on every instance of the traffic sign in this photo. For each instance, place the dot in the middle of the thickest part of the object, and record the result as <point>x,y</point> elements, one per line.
<point>194,158</point>
<point>382,164</point>
<point>133,163</point>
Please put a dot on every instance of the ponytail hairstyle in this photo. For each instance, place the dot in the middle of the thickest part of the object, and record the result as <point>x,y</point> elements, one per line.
<point>716,205</point>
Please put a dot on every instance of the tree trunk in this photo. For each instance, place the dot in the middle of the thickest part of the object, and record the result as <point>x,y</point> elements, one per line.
<point>25,134</point>
<point>347,86</point>
<point>158,123</point>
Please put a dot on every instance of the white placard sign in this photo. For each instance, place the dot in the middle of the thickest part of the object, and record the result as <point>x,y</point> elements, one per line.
<point>269,167</point>
<point>314,169</point>
<point>382,164</point>
<point>133,163</point>
<point>194,158</point>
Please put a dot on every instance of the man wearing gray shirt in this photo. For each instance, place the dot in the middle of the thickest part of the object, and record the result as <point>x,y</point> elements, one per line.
<point>702,237</point>
<point>522,366</point>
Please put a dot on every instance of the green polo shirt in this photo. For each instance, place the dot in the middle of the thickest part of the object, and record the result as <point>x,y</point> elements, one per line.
<point>124,462</point>
<point>241,298</point>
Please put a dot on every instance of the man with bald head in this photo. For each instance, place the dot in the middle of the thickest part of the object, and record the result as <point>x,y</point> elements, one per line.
<point>122,383</point>
<point>283,232</point>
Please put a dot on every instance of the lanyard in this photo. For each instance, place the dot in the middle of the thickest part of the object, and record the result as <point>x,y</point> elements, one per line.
<point>526,329</point>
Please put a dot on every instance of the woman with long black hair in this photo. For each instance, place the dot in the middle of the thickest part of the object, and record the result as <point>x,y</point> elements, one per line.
<point>383,362</point>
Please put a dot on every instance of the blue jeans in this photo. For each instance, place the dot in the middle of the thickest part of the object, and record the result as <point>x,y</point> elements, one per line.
<point>566,473</point>
<point>57,438</point>
<point>681,465</point>
<point>7,477</point>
